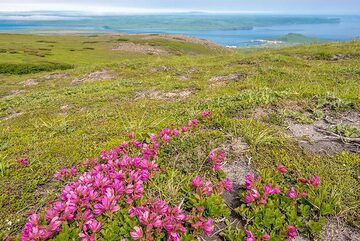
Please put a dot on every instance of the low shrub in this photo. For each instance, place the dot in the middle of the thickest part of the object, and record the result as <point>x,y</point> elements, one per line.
<point>25,68</point>
<point>276,206</point>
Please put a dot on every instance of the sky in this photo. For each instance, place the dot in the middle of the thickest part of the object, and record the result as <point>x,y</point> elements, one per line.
<point>163,6</point>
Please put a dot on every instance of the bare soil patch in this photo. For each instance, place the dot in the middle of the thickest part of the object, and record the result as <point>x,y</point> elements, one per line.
<point>236,169</point>
<point>55,76</point>
<point>159,69</point>
<point>338,57</point>
<point>187,74</point>
<point>29,82</point>
<point>14,93</point>
<point>140,48</point>
<point>11,116</point>
<point>94,76</point>
<point>168,96</point>
<point>50,77</point>
<point>318,138</point>
<point>216,80</point>
<point>338,230</point>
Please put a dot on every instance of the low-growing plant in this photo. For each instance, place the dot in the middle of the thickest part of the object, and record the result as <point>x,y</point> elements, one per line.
<point>332,102</point>
<point>298,116</point>
<point>345,130</point>
<point>25,68</point>
<point>279,205</point>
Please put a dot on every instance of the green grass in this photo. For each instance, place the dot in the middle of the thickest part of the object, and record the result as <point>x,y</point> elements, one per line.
<point>62,124</point>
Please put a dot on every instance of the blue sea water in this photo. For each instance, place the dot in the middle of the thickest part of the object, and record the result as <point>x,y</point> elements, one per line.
<point>225,29</point>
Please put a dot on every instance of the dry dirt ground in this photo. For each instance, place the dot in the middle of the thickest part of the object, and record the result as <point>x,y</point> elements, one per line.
<point>217,80</point>
<point>50,77</point>
<point>14,93</point>
<point>167,96</point>
<point>12,115</point>
<point>236,169</point>
<point>140,48</point>
<point>94,76</point>
<point>317,138</point>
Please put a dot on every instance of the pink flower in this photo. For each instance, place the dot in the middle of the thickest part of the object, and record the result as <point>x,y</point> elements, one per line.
<point>249,198</point>
<point>137,234</point>
<point>193,123</point>
<point>265,236</point>
<point>303,195</point>
<point>281,168</point>
<point>292,232</point>
<point>108,204</point>
<point>216,158</point>
<point>23,162</point>
<point>249,236</point>
<point>184,129</point>
<point>315,181</point>
<point>227,185</point>
<point>207,227</point>
<point>206,114</point>
<point>93,225</point>
<point>131,135</point>
<point>303,180</point>
<point>292,193</point>
<point>249,179</point>
<point>196,182</point>
<point>263,201</point>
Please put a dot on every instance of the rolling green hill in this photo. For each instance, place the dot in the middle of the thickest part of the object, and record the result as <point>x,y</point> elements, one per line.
<point>63,99</point>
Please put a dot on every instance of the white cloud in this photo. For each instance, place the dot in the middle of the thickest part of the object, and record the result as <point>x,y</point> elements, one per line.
<point>100,9</point>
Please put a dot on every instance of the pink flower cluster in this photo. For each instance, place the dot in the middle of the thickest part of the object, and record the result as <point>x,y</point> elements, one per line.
<point>216,158</point>
<point>250,236</point>
<point>202,188</point>
<point>314,181</point>
<point>292,232</point>
<point>200,223</point>
<point>206,114</point>
<point>253,194</point>
<point>157,217</point>
<point>65,174</point>
<point>23,162</point>
<point>97,192</point>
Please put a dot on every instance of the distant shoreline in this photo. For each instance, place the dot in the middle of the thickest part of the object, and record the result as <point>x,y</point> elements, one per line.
<point>225,30</point>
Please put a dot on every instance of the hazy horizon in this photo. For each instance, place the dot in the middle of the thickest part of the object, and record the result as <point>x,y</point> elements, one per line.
<point>351,7</point>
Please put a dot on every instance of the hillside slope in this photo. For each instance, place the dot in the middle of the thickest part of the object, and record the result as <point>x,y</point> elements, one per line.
<point>63,99</point>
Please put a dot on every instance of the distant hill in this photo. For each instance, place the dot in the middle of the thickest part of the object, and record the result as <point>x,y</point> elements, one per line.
<point>295,38</point>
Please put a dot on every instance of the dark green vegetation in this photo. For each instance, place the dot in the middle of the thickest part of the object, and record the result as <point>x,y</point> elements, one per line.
<point>58,122</point>
<point>22,68</point>
<point>293,38</point>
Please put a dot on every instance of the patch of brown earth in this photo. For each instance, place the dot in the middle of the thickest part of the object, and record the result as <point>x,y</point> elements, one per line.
<point>338,230</point>
<point>244,62</point>
<point>260,113</point>
<point>216,80</point>
<point>236,168</point>
<point>29,82</point>
<point>159,69</point>
<point>338,57</point>
<point>168,96</point>
<point>54,76</point>
<point>140,48</point>
<point>11,116</point>
<point>94,76</point>
<point>14,93</point>
<point>317,138</point>
<point>187,75</point>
